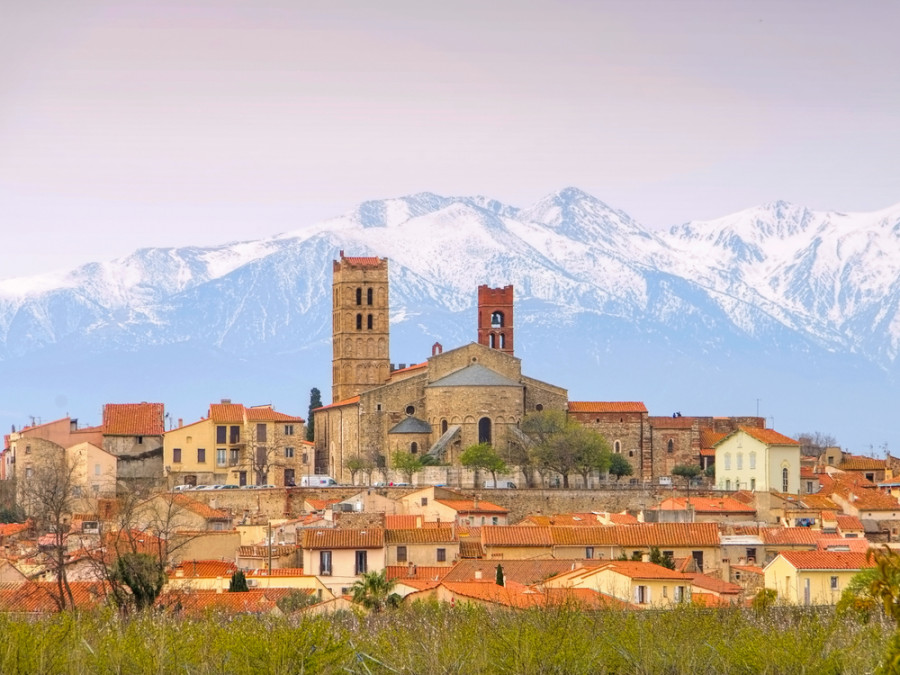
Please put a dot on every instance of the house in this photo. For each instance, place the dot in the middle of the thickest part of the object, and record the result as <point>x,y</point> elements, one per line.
<point>813,577</point>
<point>238,445</point>
<point>592,519</point>
<point>432,546</point>
<point>133,434</point>
<point>339,556</point>
<point>441,505</point>
<point>94,471</point>
<point>642,584</point>
<point>757,459</point>
<point>702,510</point>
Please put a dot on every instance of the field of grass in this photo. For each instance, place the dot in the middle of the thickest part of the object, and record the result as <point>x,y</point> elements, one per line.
<point>429,638</point>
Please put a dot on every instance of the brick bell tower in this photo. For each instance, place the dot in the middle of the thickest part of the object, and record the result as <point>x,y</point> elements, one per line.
<point>495,318</point>
<point>360,330</point>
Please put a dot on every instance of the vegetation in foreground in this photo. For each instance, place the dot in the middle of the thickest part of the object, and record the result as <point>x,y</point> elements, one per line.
<point>431,638</point>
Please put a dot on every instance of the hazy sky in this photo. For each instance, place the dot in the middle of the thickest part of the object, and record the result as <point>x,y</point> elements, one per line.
<point>126,124</point>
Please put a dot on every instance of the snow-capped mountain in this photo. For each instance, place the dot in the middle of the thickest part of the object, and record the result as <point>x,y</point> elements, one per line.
<point>755,305</point>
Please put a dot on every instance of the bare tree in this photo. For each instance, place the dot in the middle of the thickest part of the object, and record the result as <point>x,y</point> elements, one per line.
<point>813,444</point>
<point>50,492</point>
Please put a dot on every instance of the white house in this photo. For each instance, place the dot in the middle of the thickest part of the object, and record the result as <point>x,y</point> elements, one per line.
<point>758,459</point>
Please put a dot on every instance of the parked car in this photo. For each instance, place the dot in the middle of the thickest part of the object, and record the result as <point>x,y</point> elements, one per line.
<point>501,485</point>
<point>182,488</point>
<point>317,481</point>
<point>229,487</point>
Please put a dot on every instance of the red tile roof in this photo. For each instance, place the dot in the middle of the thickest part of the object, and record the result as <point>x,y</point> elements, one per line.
<point>826,560</point>
<point>421,572</point>
<point>641,570</point>
<point>708,438</point>
<point>338,404</point>
<point>470,549</point>
<point>421,535</point>
<point>669,534</point>
<point>407,522</point>
<point>630,536</point>
<point>607,407</point>
<point>769,436</point>
<point>723,505</point>
<point>226,412</point>
<point>409,368</point>
<point>521,571</point>
<point>253,601</point>
<point>316,539</point>
<point>37,596</point>
<point>469,506</point>
<point>713,585</point>
<point>789,536</point>
<point>503,535</point>
<point>265,413</point>
<point>861,463</point>
<point>362,262</point>
<point>319,504</point>
<point>198,507</point>
<point>188,569</point>
<point>9,529</point>
<point>849,523</point>
<point>134,419</point>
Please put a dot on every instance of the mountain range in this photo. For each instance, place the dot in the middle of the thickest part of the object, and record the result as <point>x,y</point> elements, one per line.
<point>777,310</point>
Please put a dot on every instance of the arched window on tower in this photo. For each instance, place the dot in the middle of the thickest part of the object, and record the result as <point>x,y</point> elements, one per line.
<point>359,322</point>
<point>443,426</point>
<point>358,296</point>
<point>369,296</point>
<point>369,322</point>
<point>497,320</point>
<point>784,480</point>
<point>484,430</point>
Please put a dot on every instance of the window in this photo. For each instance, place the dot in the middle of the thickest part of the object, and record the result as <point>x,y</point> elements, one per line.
<point>669,555</point>
<point>369,322</point>
<point>670,446</point>
<point>289,478</point>
<point>96,469</point>
<point>368,296</point>
<point>359,322</point>
<point>234,457</point>
<point>27,449</point>
<point>740,461</point>
<point>140,440</point>
<point>29,472</point>
<point>289,453</point>
<point>424,501</point>
<point>784,480</point>
<point>414,447</point>
<point>834,583</point>
<point>358,296</point>
<point>362,562</point>
<point>444,426</point>
<point>752,483</point>
<point>288,429</point>
<point>220,434</point>
<point>495,520</point>
<point>201,455</point>
<point>261,433</point>
<point>76,490</point>
<point>752,460</point>
<point>728,461</point>
<point>679,593</point>
<point>325,563</point>
<point>235,435</point>
<point>221,456</point>
<point>497,320</point>
<point>410,410</point>
<point>589,552</point>
<point>401,554</point>
<point>617,447</point>
<point>728,484</point>
<point>642,595</point>
<point>176,455</point>
<point>484,430</point>
<point>305,458</point>
<point>809,486</point>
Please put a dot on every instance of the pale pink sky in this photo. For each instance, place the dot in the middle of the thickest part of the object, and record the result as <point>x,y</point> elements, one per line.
<point>174,122</point>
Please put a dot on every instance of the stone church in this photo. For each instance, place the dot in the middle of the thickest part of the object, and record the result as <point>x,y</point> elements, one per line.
<point>467,395</point>
<point>441,406</point>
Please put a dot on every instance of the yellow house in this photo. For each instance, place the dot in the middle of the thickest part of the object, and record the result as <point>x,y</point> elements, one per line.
<point>440,505</point>
<point>94,471</point>
<point>644,584</point>
<point>425,546</point>
<point>758,459</point>
<point>338,557</point>
<point>238,445</point>
<point>813,577</point>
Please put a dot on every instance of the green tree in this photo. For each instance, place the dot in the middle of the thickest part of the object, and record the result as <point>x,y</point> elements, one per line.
<point>500,579</point>
<point>315,401</point>
<point>142,574</point>
<point>563,445</point>
<point>406,463</point>
<point>619,466</point>
<point>295,600</point>
<point>764,598</point>
<point>483,456</point>
<point>658,558</point>
<point>238,583</point>
<point>373,590</point>
<point>356,465</point>
<point>857,598</point>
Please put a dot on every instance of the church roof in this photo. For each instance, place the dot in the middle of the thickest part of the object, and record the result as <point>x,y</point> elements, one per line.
<point>475,375</point>
<point>411,425</point>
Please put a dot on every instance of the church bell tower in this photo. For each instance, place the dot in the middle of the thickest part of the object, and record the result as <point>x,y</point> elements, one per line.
<point>360,329</point>
<point>495,318</point>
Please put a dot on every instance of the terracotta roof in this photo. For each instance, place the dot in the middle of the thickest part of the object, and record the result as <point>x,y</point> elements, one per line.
<point>469,506</point>
<point>503,535</point>
<point>253,601</point>
<point>275,573</point>
<point>421,572</point>
<point>713,585</point>
<point>470,549</point>
<point>708,438</point>
<point>203,568</point>
<point>9,529</point>
<point>338,404</point>
<point>789,536</point>
<point>590,519</point>
<point>201,509</point>
<point>517,595</point>
<point>752,569</point>
<point>372,537</point>
<point>277,551</point>
<point>808,473</point>
<point>849,523</point>
<point>409,368</point>
<point>320,504</point>
<point>861,463</point>
<point>607,407</point>
<point>134,419</point>
<point>870,500</point>
<point>583,536</point>
<point>265,413</point>
<point>668,534</point>
<point>641,570</point>
<point>37,596</point>
<point>725,505</point>
<point>521,571</point>
<point>826,560</point>
<point>407,522</point>
<point>671,422</point>
<point>421,535</point>
<point>769,436</point>
<point>362,262</point>
<point>226,412</point>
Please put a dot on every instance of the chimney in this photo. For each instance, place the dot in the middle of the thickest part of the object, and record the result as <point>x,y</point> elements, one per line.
<point>475,501</point>
<point>73,425</point>
<point>226,401</point>
<point>645,557</point>
<point>180,422</point>
<point>219,582</point>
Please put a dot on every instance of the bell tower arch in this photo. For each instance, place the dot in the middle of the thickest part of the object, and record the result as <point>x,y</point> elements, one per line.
<point>495,318</point>
<point>360,326</point>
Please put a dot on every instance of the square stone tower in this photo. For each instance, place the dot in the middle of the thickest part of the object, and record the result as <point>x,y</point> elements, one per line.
<point>360,325</point>
<point>495,318</point>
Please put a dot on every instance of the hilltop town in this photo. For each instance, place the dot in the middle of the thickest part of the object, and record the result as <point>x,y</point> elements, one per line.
<point>458,478</point>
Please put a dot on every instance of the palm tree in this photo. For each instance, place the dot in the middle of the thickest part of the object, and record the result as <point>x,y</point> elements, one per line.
<point>373,591</point>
